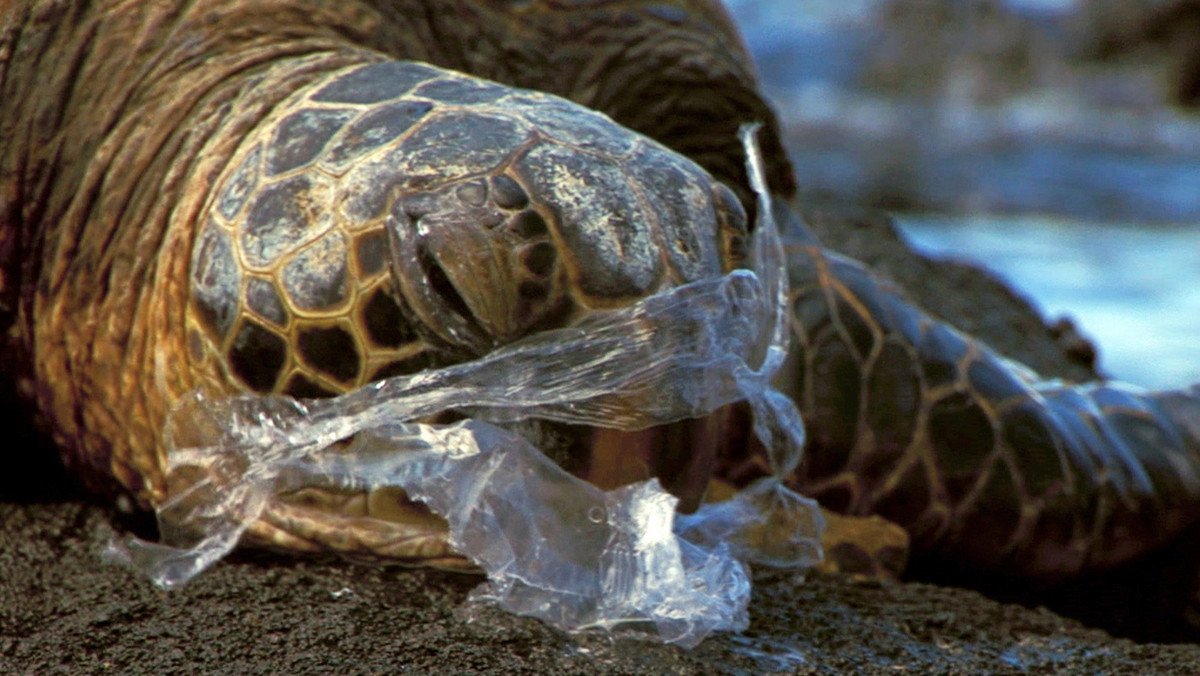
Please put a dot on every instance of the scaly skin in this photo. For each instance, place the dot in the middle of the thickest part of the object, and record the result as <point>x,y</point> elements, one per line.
<point>191,200</point>
<point>984,466</point>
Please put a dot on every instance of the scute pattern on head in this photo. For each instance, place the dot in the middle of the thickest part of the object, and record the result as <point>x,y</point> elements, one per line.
<point>403,215</point>
<point>314,280</point>
<point>614,259</point>
<point>264,300</point>
<point>279,219</point>
<point>240,186</point>
<point>301,136</point>
<point>374,129</point>
<point>215,278</point>
<point>375,83</point>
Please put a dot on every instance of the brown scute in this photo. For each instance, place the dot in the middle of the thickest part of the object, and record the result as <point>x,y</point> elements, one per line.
<point>216,277</point>
<point>257,356</point>
<point>240,185</point>
<point>301,387</point>
<point>315,280</point>
<point>579,127</point>
<point>539,258</point>
<point>894,393</point>
<point>375,129</point>
<point>529,224</point>
<point>1081,432</point>
<point>859,329</point>
<point>990,381</point>
<point>301,136</point>
<point>371,250</point>
<point>276,221</point>
<point>807,268</point>
<point>859,283</point>
<point>1117,398</point>
<point>961,434</point>
<point>1035,446</point>
<point>940,350</point>
<point>460,91</point>
<point>1147,432</point>
<point>262,298</point>
<point>908,500</point>
<point>811,311</point>
<point>1056,530</point>
<point>679,198</point>
<point>385,321</point>
<point>605,229</point>
<point>730,207</point>
<point>472,193</point>
<point>836,384</point>
<point>330,350</point>
<point>371,202</point>
<point>376,82</point>
<point>908,322</point>
<point>507,193</point>
<point>455,141</point>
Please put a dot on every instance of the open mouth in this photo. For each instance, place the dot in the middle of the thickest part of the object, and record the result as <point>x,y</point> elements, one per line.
<point>684,455</point>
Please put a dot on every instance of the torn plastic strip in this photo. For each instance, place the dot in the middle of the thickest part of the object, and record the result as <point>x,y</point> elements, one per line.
<point>553,546</point>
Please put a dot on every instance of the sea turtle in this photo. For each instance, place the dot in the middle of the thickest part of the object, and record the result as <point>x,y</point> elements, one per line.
<point>302,196</point>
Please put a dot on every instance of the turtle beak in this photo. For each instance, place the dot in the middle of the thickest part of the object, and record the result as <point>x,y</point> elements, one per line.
<point>682,455</point>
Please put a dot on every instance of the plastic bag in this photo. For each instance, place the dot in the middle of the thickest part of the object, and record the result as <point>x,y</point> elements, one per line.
<point>552,545</point>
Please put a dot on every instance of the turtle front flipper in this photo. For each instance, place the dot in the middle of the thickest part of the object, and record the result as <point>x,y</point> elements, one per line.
<point>985,466</point>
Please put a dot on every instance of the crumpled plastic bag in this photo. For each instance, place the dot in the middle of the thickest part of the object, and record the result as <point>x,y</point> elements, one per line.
<point>553,546</point>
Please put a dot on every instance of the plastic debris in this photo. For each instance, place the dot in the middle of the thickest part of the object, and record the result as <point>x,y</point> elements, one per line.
<point>553,546</point>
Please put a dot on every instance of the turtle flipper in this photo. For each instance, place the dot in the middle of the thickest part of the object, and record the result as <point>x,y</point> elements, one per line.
<point>985,466</point>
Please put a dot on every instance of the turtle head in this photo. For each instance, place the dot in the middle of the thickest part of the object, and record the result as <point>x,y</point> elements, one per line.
<point>400,217</point>
<point>563,230</point>
<point>559,232</point>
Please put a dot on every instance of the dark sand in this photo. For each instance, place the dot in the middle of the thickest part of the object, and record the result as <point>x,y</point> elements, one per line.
<point>63,611</point>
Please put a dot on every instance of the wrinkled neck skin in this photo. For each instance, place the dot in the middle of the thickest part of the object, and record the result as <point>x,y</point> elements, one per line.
<point>124,115</point>
<point>119,117</point>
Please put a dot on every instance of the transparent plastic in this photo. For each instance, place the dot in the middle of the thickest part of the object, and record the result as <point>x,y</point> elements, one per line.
<point>553,546</point>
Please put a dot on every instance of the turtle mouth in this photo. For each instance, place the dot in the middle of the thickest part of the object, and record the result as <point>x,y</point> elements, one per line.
<point>682,455</point>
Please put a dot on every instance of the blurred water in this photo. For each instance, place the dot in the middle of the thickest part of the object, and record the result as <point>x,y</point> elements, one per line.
<point>1063,135</point>
<point>1118,171</point>
<point>1134,291</point>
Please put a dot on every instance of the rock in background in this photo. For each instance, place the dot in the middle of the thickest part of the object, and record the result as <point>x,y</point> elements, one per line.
<point>966,106</point>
